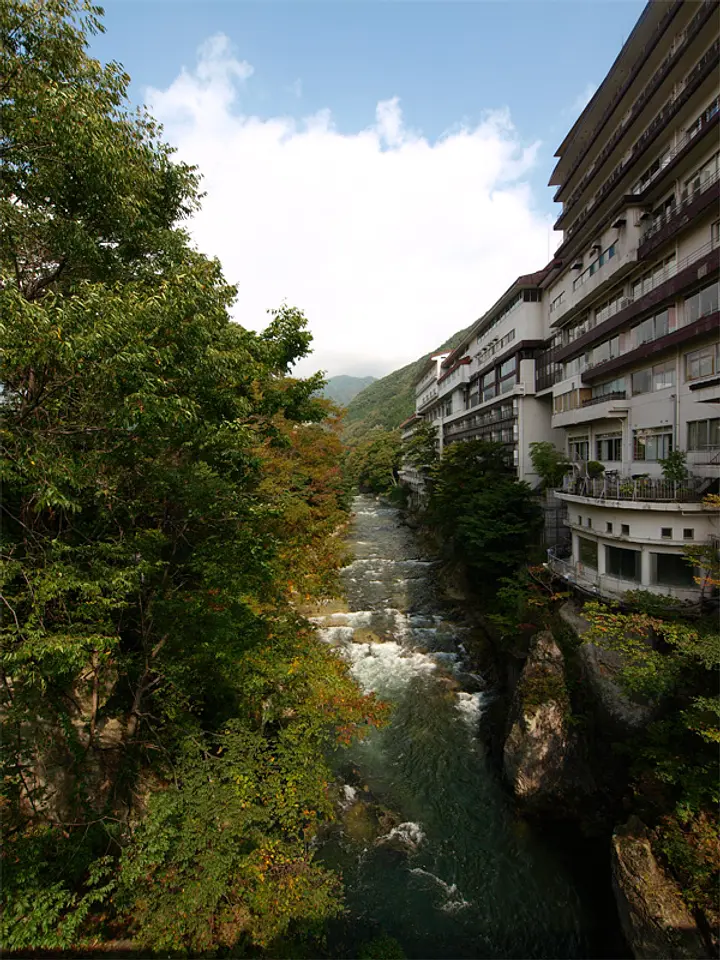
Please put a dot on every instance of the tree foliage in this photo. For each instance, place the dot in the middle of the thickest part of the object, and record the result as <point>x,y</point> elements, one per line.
<point>550,464</point>
<point>373,464</point>
<point>421,448</point>
<point>169,492</point>
<point>487,518</point>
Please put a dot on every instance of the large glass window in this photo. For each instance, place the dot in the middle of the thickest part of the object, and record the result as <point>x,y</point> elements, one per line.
<point>610,386</point>
<point>702,363</point>
<point>662,270</point>
<point>702,303</point>
<point>652,328</point>
<point>659,377</point>
<point>704,434</point>
<point>489,386</point>
<point>652,445</point>
<point>579,448</point>
<point>623,563</point>
<point>663,375</point>
<point>671,570</point>
<point>588,552</point>
<point>608,446</point>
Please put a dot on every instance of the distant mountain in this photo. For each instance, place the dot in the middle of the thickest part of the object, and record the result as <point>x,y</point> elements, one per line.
<point>342,389</point>
<point>387,402</point>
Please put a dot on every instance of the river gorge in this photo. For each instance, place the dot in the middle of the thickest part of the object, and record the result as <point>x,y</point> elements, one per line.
<point>447,867</point>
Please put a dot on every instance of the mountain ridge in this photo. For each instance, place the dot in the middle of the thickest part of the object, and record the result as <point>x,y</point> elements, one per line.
<point>389,401</point>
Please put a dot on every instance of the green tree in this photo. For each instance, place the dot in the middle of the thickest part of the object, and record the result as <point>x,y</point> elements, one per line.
<point>373,465</point>
<point>421,449</point>
<point>163,507</point>
<point>550,464</point>
<point>486,517</point>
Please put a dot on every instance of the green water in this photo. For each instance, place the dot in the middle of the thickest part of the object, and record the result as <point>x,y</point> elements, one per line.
<point>462,875</point>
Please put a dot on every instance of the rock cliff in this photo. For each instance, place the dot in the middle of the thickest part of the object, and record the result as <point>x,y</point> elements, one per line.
<point>655,921</point>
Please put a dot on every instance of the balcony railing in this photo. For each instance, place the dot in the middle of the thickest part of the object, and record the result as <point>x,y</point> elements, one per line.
<point>614,395</point>
<point>644,96</point>
<point>676,209</point>
<point>639,488</point>
<point>660,120</point>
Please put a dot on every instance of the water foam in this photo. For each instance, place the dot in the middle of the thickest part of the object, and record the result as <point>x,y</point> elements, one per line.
<point>455,900</point>
<point>386,668</point>
<point>470,707</point>
<point>409,833</point>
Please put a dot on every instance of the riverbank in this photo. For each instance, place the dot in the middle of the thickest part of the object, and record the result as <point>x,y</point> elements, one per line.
<point>459,873</point>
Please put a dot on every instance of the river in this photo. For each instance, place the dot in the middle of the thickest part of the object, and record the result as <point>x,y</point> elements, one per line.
<point>460,874</point>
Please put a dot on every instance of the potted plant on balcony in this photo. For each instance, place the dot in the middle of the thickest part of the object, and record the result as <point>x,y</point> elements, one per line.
<point>674,468</point>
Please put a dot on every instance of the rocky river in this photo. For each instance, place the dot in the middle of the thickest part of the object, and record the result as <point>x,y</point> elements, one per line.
<point>431,849</point>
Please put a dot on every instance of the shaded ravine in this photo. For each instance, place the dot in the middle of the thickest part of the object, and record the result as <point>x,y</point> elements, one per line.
<point>460,874</point>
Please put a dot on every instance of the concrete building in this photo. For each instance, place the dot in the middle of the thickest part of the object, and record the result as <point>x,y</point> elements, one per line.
<point>632,306</point>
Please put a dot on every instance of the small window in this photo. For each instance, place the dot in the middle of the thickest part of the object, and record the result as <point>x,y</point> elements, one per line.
<point>588,522</point>
<point>666,533</point>
<point>688,533</point>
<point>625,529</point>
<point>579,520</point>
<point>609,527</point>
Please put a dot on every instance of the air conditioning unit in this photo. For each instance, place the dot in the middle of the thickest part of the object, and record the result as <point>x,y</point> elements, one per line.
<point>521,389</point>
<point>625,302</point>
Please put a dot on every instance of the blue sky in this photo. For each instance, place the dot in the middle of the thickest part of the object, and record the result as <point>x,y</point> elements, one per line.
<point>450,64</point>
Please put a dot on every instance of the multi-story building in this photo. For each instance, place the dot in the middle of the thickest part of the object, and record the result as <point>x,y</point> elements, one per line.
<point>632,305</point>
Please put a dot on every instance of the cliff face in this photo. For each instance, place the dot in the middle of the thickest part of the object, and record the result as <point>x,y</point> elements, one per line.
<point>540,756</point>
<point>655,921</point>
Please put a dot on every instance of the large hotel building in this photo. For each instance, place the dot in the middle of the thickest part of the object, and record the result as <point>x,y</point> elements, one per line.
<point>612,350</point>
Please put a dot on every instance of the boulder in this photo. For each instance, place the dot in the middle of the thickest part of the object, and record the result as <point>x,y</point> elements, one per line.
<point>615,707</point>
<point>656,922</point>
<point>540,756</point>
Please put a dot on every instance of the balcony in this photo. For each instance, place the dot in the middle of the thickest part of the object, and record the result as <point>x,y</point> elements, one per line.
<point>702,69</point>
<point>590,582</point>
<point>593,408</point>
<point>612,270</point>
<point>648,91</point>
<point>664,227</point>
<point>671,283</point>
<point>635,490</point>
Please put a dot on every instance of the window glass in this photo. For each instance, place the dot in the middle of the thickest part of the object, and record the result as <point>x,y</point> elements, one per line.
<point>671,570</point>
<point>588,552</point>
<point>704,434</point>
<point>664,375</point>
<point>652,445</point>
<point>642,381</point>
<point>702,363</point>
<point>507,368</point>
<point>579,448</point>
<point>702,303</point>
<point>623,563</point>
<point>609,447</point>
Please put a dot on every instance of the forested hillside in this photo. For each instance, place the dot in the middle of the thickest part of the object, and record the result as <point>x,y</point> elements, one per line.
<point>342,389</point>
<point>169,498</point>
<point>387,402</point>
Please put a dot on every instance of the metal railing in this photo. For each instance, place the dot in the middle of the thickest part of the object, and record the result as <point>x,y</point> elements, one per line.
<point>613,395</point>
<point>635,488</point>
<point>676,209</point>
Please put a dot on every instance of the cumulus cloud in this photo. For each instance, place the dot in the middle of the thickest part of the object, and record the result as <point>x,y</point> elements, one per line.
<point>389,242</point>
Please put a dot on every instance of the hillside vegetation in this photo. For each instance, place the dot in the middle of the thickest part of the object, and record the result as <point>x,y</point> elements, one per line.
<point>387,402</point>
<point>343,388</point>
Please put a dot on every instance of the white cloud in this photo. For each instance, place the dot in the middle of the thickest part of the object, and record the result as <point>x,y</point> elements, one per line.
<point>388,242</point>
<point>296,88</point>
<point>581,101</point>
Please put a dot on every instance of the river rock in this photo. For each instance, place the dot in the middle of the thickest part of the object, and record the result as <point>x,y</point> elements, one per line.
<point>540,755</point>
<point>655,920</point>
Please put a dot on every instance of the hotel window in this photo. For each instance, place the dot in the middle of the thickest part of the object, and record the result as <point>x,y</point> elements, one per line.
<point>608,526</point>
<point>489,386</point>
<point>608,446</point>
<point>653,328</point>
<point>606,255</point>
<point>557,302</point>
<point>702,363</point>
<point>688,533</point>
<point>701,177</point>
<point>623,563</point>
<point>588,523</point>
<point>662,270</point>
<point>610,386</point>
<point>672,570</point>
<point>652,445</point>
<point>579,449</point>
<point>703,434</point>
<point>715,232</point>
<point>659,377</point>
<point>507,375</point>
<point>666,533</point>
<point>702,303</point>
<point>588,552</point>
<point>625,529</point>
